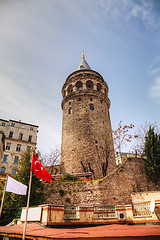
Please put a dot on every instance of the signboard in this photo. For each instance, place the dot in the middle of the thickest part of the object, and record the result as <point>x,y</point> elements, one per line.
<point>104,211</point>
<point>71,212</point>
<point>34,214</point>
<point>141,210</point>
<point>152,206</point>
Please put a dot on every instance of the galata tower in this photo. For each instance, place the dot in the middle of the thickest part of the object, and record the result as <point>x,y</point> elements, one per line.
<point>87,143</point>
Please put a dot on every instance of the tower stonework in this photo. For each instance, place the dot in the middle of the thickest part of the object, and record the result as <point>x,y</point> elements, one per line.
<point>87,143</point>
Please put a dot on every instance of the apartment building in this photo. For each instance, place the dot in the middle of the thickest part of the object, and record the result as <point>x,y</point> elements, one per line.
<point>19,137</point>
<point>120,158</point>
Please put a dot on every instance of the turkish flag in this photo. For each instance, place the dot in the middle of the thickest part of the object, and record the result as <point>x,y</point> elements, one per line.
<point>39,170</point>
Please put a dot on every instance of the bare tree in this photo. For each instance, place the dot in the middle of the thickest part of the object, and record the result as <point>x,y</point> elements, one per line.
<point>141,132</point>
<point>52,160</point>
<point>121,136</point>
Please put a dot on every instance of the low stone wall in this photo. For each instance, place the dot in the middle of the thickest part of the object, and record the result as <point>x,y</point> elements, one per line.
<point>114,189</point>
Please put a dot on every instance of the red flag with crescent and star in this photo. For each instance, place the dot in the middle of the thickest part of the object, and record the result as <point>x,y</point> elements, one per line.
<point>39,170</point>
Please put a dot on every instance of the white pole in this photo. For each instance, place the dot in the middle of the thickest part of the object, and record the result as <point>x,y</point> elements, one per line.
<point>29,192</point>
<point>4,190</point>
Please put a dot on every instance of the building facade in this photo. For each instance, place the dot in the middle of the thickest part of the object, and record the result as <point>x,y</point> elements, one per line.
<point>120,158</point>
<point>19,137</point>
<point>87,143</point>
<point>2,145</point>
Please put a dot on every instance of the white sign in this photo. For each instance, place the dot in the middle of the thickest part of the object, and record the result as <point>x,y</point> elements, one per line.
<point>34,214</point>
<point>152,206</point>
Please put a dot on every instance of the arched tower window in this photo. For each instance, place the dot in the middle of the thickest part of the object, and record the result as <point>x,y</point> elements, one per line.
<point>70,89</point>
<point>70,111</point>
<point>89,85</point>
<point>79,85</point>
<point>99,87</point>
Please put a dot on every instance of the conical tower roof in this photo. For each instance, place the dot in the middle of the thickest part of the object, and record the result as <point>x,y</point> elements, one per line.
<point>83,65</point>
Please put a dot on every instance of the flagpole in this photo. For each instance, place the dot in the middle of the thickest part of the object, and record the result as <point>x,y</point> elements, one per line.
<point>4,190</point>
<point>29,192</point>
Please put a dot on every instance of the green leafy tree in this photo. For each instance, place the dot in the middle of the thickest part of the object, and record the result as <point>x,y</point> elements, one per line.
<point>13,202</point>
<point>152,155</point>
<point>23,175</point>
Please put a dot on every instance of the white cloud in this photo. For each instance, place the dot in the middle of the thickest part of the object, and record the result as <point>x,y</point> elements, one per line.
<point>154,68</point>
<point>34,105</point>
<point>124,11</point>
<point>154,73</point>
<point>39,41</point>
<point>155,90</point>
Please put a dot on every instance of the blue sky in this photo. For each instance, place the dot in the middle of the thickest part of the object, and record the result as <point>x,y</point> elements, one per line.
<point>41,43</point>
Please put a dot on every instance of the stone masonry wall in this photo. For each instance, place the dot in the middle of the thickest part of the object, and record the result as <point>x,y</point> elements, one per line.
<point>113,190</point>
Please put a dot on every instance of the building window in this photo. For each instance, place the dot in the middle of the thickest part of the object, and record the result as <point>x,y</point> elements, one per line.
<point>29,138</point>
<point>20,136</point>
<point>91,99</point>
<point>31,128</point>
<point>99,87</point>
<point>79,85</point>
<point>89,85</point>
<point>70,89</point>
<point>70,111</point>
<point>91,107</point>
<point>79,99</point>
<point>3,124</point>
<point>3,169</point>
<point>22,126</point>
<point>28,148</point>
<point>10,134</point>
<point>5,158</point>
<point>12,124</point>
<point>13,171</point>
<point>101,101</point>
<point>69,103</point>
<point>8,145</point>
<point>18,148</point>
<point>16,160</point>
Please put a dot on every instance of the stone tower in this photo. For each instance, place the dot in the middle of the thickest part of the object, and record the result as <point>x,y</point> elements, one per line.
<point>87,144</point>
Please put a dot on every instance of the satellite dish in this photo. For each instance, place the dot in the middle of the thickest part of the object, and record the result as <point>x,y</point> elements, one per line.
<point>152,206</point>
